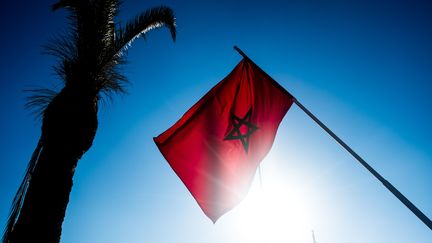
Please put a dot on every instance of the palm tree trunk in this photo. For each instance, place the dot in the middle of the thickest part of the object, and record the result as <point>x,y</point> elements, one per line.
<point>47,196</point>
<point>68,130</point>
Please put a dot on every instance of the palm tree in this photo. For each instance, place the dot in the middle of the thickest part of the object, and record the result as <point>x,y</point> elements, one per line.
<point>89,59</point>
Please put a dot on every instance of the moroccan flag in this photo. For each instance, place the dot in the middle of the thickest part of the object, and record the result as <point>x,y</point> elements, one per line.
<point>216,146</point>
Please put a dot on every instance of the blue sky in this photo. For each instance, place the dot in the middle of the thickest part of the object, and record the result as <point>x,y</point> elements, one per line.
<point>363,67</point>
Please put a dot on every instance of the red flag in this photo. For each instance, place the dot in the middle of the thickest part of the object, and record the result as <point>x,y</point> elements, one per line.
<point>217,145</point>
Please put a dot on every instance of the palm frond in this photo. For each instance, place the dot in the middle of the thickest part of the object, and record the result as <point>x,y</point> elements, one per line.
<point>64,49</point>
<point>111,80</point>
<point>38,100</point>
<point>93,47</point>
<point>104,13</point>
<point>20,194</point>
<point>66,4</point>
<point>76,9</point>
<point>61,47</point>
<point>151,19</point>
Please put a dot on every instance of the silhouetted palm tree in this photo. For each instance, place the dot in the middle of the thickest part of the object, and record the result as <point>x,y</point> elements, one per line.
<point>89,59</point>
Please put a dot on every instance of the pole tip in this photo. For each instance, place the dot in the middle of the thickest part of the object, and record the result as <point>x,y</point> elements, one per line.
<point>240,52</point>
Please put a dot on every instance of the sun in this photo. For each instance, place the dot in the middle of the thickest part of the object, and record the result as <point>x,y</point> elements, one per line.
<point>275,211</point>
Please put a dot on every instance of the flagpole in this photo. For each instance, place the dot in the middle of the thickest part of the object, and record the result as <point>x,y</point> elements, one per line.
<point>386,183</point>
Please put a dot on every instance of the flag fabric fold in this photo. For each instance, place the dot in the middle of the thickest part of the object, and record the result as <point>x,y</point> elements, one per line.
<point>216,146</point>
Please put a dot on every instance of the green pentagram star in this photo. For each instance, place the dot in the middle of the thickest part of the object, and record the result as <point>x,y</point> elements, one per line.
<point>236,133</point>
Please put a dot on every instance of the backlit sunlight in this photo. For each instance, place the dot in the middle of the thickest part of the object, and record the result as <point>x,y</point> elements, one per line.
<point>275,211</point>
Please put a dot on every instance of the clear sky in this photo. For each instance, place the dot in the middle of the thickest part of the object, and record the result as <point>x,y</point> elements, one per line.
<point>363,67</point>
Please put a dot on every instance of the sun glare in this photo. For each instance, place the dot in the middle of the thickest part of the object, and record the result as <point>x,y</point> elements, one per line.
<point>276,211</point>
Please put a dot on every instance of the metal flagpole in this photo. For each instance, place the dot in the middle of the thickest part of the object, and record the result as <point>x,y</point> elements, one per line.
<point>387,184</point>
